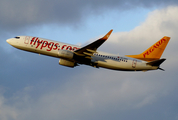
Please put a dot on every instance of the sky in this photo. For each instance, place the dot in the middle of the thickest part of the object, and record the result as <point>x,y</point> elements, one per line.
<point>37,87</point>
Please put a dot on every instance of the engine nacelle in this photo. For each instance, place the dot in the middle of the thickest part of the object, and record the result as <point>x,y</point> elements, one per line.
<point>65,54</point>
<point>67,63</point>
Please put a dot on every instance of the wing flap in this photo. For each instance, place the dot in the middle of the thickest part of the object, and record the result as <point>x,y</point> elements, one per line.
<point>92,51</point>
<point>89,54</point>
<point>79,54</point>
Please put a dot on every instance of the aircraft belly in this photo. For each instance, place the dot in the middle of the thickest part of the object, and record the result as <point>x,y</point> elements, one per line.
<point>115,65</point>
<point>124,66</point>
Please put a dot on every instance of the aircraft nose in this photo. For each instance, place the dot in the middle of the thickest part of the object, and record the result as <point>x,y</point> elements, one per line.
<point>9,41</point>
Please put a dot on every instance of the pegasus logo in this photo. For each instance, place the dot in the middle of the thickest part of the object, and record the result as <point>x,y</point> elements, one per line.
<point>154,47</point>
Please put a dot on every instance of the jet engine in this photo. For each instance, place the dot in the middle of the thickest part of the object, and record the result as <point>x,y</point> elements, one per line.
<point>67,63</point>
<point>65,54</point>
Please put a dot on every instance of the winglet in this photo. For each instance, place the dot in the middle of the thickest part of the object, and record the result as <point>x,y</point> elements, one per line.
<point>107,35</point>
<point>91,48</point>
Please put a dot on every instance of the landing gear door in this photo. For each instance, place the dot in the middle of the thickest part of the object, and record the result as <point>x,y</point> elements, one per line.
<point>134,63</point>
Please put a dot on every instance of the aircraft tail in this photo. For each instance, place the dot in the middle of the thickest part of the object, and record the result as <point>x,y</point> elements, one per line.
<point>154,52</point>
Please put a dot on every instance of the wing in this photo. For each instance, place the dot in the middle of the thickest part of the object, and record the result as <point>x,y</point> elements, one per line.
<point>88,50</point>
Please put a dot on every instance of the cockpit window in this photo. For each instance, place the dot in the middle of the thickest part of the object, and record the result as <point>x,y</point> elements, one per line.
<point>17,37</point>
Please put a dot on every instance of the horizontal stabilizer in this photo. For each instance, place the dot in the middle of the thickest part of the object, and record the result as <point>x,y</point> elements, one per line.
<point>156,62</point>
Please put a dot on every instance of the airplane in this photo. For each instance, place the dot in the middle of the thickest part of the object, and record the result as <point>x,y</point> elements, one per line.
<point>73,55</point>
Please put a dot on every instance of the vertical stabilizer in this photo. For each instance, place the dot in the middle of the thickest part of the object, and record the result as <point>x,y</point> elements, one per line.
<point>154,52</point>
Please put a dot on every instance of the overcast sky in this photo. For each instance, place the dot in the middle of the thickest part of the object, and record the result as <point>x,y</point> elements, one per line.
<point>34,87</point>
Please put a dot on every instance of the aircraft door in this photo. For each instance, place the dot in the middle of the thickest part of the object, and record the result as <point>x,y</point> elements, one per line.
<point>27,38</point>
<point>134,63</point>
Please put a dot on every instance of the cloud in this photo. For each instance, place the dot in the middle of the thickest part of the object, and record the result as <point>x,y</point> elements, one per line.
<point>159,23</point>
<point>48,91</point>
<point>17,14</point>
<point>7,112</point>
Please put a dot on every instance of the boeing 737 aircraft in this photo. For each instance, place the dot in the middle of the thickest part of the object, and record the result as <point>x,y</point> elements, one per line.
<point>72,55</point>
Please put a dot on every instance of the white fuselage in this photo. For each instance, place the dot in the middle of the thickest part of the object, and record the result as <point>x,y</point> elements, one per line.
<point>101,59</point>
